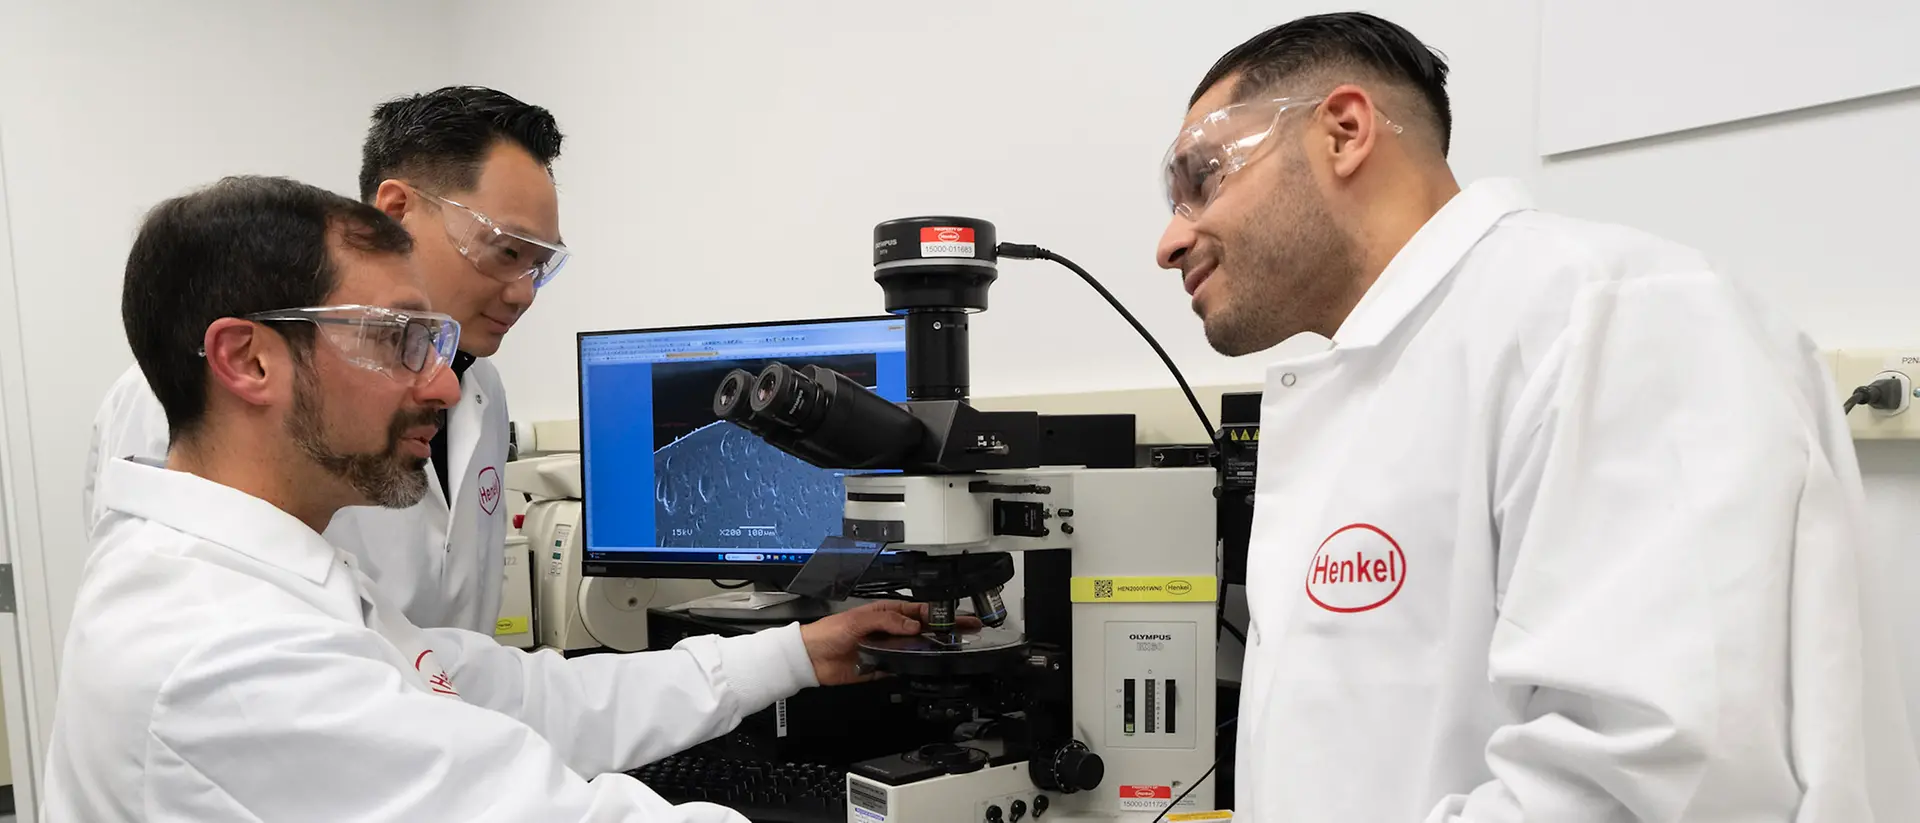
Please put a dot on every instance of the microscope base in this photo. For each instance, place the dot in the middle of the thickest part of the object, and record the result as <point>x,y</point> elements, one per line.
<point>951,798</point>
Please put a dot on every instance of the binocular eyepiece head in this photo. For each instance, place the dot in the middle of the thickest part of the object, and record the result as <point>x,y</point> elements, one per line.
<point>820,416</point>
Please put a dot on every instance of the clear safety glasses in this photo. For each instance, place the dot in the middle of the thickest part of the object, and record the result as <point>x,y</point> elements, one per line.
<point>1221,143</point>
<point>499,253</point>
<point>409,346</point>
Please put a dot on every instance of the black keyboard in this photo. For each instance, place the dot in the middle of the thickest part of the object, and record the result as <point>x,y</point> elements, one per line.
<point>764,792</point>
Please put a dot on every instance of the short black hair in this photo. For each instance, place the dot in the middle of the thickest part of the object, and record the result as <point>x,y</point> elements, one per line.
<point>239,246</point>
<point>1347,40</point>
<point>440,138</point>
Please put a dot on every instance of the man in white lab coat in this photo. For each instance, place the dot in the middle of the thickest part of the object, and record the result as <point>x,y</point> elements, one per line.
<point>226,663</point>
<point>1553,523</point>
<point>468,171</point>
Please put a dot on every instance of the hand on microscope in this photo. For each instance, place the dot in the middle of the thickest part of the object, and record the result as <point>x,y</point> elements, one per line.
<point>833,643</point>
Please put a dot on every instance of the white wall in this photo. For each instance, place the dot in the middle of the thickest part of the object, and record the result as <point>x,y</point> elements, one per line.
<point>727,161</point>
<point>107,108</point>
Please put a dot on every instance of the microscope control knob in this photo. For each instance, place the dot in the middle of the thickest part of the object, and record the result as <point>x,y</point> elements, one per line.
<point>1068,769</point>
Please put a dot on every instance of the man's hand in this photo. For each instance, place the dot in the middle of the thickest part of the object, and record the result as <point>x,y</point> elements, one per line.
<point>833,643</point>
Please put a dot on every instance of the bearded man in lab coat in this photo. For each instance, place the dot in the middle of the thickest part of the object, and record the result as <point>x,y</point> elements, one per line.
<point>468,172</point>
<point>1553,523</point>
<point>226,663</point>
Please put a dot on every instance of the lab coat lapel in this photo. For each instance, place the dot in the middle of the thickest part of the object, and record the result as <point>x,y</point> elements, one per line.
<point>463,436</point>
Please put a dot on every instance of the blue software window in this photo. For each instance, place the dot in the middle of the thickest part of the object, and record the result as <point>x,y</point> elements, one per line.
<point>668,482</point>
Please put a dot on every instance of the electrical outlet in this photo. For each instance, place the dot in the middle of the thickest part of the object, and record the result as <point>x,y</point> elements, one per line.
<point>1853,368</point>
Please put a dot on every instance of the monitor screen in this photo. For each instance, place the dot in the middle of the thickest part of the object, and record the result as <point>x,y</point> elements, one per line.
<point>669,490</point>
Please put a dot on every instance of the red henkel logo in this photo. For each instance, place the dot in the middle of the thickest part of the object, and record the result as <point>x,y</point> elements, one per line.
<point>1150,792</point>
<point>441,683</point>
<point>489,489</point>
<point>946,234</point>
<point>1358,568</point>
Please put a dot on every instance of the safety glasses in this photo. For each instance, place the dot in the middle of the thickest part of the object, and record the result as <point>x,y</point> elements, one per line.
<point>1217,145</point>
<point>409,346</point>
<point>499,253</point>
<point>1221,143</point>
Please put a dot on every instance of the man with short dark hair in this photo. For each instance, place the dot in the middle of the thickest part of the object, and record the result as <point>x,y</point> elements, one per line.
<point>1553,523</point>
<point>225,663</point>
<point>468,172</point>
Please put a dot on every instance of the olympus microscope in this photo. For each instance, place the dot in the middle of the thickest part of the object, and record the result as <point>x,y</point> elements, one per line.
<point>1101,706</point>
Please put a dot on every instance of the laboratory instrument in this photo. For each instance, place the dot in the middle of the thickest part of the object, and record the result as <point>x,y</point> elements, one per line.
<point>1101,701</point>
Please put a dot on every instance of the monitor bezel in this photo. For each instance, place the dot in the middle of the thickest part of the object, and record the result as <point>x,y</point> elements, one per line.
<point>775,574</point>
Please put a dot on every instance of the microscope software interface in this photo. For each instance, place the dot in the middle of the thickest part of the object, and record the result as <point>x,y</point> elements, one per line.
<point>668,482</point>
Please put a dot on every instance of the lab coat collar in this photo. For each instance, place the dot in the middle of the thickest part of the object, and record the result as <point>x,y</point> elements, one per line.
<point>1428,257</point>
<point>216,513</point>
<point>464,423</point>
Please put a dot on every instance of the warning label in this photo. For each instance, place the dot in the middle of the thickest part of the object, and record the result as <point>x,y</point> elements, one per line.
<point>946,241</point>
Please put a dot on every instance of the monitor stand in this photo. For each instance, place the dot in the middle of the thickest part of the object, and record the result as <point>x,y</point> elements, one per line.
<point>752,608</point>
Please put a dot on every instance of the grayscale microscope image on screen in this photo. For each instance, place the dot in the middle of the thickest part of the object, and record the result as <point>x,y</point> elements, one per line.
<point>716,484</point>
<point>667,483</point>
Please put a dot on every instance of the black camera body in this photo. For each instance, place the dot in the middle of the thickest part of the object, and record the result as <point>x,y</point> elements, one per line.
<point>936,272</point>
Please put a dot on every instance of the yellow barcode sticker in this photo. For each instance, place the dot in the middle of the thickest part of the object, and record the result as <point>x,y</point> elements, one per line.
<point>1196,589</point>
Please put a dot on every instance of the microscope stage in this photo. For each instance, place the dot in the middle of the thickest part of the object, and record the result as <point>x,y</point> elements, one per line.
<point>976,652</point>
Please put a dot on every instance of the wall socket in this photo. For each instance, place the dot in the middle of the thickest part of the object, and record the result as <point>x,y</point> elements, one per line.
<point>1853,368</point>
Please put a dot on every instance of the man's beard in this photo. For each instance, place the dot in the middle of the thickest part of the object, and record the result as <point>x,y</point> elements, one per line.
<point>1292,268</point>
<point>386,478</point>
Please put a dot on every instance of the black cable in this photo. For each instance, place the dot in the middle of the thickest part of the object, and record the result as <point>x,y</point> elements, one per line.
<point>1203,777</point>
<point>1022,251</point>
<point>1183,795</point>
<point>1220,621</point>
<point>1219,613</point>
<point>1235,631</point>
<point>741,585</point>
<point>1883,394</point>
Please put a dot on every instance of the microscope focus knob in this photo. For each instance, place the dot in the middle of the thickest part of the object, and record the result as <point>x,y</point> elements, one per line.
<point>1068,769</point>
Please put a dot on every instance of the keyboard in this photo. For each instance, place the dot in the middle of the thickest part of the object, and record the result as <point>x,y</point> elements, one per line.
<point>764,792</point>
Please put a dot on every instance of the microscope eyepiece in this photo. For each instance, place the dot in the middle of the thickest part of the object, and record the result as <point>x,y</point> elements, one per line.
<point>819,415</point>
<point>729,402</point>
<point>791,399</point>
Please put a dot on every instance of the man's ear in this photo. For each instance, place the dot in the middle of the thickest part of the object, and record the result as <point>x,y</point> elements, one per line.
<point>240,359</point>
<point>393,198</point>
<point>1352,127</point>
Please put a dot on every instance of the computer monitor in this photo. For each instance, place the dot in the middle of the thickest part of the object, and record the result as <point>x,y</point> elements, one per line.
<point>671,491</point>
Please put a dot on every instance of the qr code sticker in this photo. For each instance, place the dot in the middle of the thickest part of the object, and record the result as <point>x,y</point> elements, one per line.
<point>1102,589</point>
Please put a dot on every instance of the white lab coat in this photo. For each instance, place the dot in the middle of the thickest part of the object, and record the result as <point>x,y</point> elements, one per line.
<point>226,663</point>
<point>443,568</point>
<point>1560,526</point>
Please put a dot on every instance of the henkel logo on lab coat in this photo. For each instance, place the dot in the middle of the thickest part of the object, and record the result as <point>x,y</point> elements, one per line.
<point>489,489</point>
<point>436,677</point>
<point>1358,568</point>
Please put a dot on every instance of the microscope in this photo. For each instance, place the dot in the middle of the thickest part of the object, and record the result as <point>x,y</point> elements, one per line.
<point>1102,705</point>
